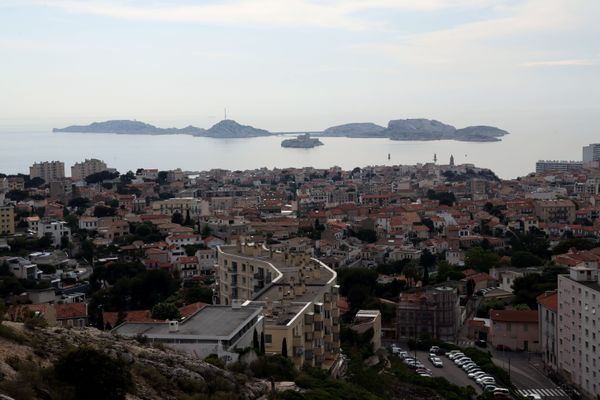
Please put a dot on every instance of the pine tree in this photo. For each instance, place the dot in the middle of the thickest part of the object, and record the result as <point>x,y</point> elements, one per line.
<point>284,348</point>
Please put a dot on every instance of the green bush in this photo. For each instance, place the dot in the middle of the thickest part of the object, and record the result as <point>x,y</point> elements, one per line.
<point>94,375</point>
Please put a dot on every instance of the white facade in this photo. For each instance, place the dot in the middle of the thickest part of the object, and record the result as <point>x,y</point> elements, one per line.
<point>579,329</point>
<point>22,268</point>
<point>88,223</point>
<point>55,229</point>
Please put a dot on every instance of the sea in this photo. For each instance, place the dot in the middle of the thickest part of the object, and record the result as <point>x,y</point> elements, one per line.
<point>514,156</point>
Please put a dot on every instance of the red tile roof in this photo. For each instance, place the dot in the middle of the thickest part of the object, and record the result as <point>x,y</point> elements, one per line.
<point>71,310</point>
<point>514,315</point>
<point>549,300</point>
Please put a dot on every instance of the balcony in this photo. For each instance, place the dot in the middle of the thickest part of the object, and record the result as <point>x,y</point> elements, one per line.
<point>298,351</point>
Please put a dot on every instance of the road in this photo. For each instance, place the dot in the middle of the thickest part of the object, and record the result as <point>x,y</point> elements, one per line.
<point>526,374</point>
<point>450,371</point>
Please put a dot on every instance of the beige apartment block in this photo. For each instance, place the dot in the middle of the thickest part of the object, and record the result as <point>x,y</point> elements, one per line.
<point>80,170</point>
<point>299,297</point>
<point>49,171</point>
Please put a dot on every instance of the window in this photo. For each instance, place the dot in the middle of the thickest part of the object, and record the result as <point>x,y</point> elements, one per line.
<point>268,339</point>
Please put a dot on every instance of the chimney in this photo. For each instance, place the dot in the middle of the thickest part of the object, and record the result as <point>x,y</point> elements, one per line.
<point>236,304</point>
<point>173,326</point>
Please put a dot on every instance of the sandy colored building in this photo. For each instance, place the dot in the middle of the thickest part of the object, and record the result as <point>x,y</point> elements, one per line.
<point>299,295</point>
<point>368,319</point>
<point>49,171</point>
<point>80,170</point>
<point>7,220</point>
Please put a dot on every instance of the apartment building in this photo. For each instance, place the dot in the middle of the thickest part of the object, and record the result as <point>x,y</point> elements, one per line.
<point>7,220</point>
<point>579,328</point>
<point>556,165</point>
<point>49,171</point>
<point>434,312</point>
<point>591,153</point>
<point>365,320</point>
<point>182,205</point>
<point>80,170</point>
<point>299,295</point>
<point>548,324</point>
<point>555,211</point>
<point>22,268</point>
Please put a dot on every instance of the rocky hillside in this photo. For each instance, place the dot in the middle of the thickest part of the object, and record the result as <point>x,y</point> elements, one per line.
<point>129,127</point>
<point>361,129</point>
<point>228,128</point>
<point>28,357</point>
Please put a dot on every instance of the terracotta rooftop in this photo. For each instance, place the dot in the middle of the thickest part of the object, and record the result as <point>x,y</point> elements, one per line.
<point>514,315</point>
<point>549,300</point>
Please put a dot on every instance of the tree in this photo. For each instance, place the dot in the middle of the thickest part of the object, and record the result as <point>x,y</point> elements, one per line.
<point>165,311</point>
<point>480,259</point>
<point>262,343</point>
<point>206,231</point>
<point>524,259</point>
<point>34,182</point>
<point>470,287</point>
<point>284,351</point>
<point>255,344</point>
<point>177,218</point>
<point>578,243</point>
<point>102,211</point>
<point>16,195</point>
<point>94,375</point>
<point>101,176</point>
<point>188,219</point>
<point>445,198</point>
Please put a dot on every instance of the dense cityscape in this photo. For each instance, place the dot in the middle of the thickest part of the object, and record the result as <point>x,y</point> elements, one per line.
<point>436,280</point>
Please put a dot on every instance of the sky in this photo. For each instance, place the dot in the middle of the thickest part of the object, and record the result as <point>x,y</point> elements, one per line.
<point>288,65</point>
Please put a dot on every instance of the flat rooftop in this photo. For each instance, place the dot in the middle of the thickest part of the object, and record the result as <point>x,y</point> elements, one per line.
<point>211,321</point>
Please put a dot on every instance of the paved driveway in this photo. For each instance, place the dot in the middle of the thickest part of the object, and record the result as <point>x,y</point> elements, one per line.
<point>450,371</point>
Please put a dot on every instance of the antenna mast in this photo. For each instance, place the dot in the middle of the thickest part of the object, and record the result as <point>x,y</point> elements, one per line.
<point>225,112</point>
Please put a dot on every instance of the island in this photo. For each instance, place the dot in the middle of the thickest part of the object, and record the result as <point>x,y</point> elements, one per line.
<point>412,129</point>
<point>302,142</point>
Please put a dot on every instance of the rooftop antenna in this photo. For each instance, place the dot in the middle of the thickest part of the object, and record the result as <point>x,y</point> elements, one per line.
<point>225,112</point>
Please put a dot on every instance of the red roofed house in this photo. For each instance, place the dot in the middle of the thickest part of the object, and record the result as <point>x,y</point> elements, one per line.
<point>187,266</point>
<point>72,314</point>
<point>548,333</point>
<point>515,330</point>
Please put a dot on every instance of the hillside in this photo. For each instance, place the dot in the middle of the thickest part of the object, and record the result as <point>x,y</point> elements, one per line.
<point>228,128</point>
<point>129,127</point>
<point>361,129</point>
<point>29,357</point>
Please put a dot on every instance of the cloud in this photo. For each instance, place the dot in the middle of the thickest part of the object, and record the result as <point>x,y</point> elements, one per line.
<point>559,63</point>
<point>341,14</point>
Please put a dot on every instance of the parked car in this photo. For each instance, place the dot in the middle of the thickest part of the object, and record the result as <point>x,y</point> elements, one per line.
<point>481,343</point>
<point>533,396</point>
<point>476,374</point>
<point>502,347</point>
<point>501,391</point>
<point>454,354</point>
<point>489,388</point>
<point>403,354</point>
<point>436,361</point>
<point>434,349</point>
<point>396,349</point>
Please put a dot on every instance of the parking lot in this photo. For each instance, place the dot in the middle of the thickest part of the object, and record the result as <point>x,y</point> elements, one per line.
<point>450,371</point>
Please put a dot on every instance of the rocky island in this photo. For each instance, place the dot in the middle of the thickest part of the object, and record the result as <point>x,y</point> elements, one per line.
<point>302,142</point>
<point>414,129</point>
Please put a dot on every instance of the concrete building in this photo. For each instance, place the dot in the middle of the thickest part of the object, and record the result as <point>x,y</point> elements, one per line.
<point>56,230</point>
<point>7,220</point>
<point>558,166</point>
<point>213,329</point>
<point>49,171</point>
<point>591,153</point>
<point>548,323</point>
<point>80,170</point>
<point>434,312</point>
<point>368,319</point>
<point>21,268</point>
<point>555,211</point>
<point>515,330</point>
<point>181,205</point>
<point>579,328</point>
<point>299,295</point>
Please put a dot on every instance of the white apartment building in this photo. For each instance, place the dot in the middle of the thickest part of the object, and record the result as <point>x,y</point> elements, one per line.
<point>55,229</point>
<point>88,223</point>
<point>181,205</point>
<point>80,170</point>
<point>49,171</point>
<point>22,268</point>
<point>579,328</point>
